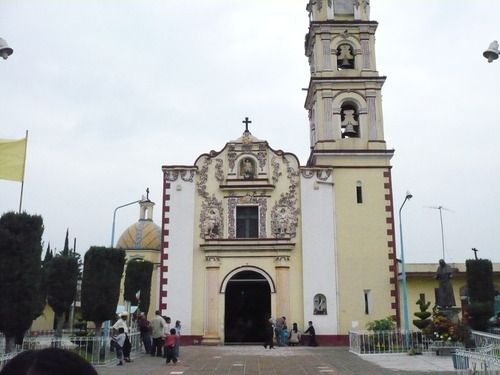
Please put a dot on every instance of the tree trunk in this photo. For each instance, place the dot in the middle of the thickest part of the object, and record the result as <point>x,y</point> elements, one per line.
<point>59,325</point>
<point>96,345</point>
<point>10,343</point>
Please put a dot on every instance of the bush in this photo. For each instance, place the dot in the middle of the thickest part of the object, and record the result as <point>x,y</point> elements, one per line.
<point>386,324</point>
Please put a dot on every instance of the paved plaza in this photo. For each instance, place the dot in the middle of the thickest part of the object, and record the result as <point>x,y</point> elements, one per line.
<point>253,360</point>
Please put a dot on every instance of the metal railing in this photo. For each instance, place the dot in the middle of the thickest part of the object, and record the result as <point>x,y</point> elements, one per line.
<point>96,350</point>
<point>484,360</point>
<point>378,342</point>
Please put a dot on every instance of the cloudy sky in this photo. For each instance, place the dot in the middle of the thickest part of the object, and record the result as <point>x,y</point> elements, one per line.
<point>110,93</point>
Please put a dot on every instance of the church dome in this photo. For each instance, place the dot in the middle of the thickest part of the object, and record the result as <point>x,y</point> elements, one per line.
<point>143,235</point>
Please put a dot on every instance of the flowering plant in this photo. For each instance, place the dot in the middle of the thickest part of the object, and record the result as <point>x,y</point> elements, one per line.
<point>442,328</point>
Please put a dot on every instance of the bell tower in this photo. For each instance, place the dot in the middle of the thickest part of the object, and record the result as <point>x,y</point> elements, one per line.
<point>344,103</point>
<point>344,94</point>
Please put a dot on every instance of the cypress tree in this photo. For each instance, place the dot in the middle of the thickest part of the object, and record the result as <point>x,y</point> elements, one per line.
<point>138,278</point>
<point>102,273</point>
<point>20,273</point>
<point>481,292</point>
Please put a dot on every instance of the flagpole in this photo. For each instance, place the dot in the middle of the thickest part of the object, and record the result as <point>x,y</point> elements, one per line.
<point>24,166</point>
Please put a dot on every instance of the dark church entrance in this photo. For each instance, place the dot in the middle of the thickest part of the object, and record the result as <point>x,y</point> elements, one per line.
<point>247,308</point>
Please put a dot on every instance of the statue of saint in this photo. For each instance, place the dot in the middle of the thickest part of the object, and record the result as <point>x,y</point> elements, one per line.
<point>248,170</point>
<point>444,295</point>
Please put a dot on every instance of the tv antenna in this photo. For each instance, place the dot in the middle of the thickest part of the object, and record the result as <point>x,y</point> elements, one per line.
<point>441,208</point>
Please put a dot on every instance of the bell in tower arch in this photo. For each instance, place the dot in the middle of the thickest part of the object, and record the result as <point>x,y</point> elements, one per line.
<point>345,57</point>
<point>349,124</point>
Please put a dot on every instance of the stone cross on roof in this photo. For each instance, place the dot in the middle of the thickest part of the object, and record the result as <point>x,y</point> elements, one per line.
<point>246,121</point>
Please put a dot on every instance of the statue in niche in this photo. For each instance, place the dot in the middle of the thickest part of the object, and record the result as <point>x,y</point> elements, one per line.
<point>319,304</point>
<point>247,169</point>
<point>211,223</point>
<point>444,293</point>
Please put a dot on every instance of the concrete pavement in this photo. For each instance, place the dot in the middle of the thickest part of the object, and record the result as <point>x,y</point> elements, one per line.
<point>254,360</point>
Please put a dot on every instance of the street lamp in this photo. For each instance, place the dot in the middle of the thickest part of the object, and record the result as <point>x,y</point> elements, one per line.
<point>403,272</point>
<point>5,50</point>
<point>492,52</point>
<point>114,217</point>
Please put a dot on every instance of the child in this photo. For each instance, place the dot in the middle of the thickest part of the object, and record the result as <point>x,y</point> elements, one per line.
<point>170,343</point>
<point>119,342</point>
<point>178,334</point>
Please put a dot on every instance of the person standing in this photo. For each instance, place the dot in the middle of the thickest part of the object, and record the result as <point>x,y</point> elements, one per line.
<point>269,334</point>
<point>280,323</point>
<point>127,346</point>
<point>166,333</point>
<point>144,329</point>
<point>170,343</point>
<point>178,341</point>
<point>157,326</point>
<point>312,334</point>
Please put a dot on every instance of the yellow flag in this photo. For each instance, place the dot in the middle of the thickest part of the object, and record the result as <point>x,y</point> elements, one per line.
<point>12,158</point>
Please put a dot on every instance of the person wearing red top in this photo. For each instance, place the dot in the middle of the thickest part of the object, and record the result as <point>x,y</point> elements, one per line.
<point>170,342</point>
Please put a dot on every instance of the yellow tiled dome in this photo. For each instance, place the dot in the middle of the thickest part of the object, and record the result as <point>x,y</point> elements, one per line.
<point>143,235</point>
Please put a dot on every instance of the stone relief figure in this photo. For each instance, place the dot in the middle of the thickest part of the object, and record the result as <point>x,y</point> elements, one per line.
<point>283,221</point>
<point>444,293</point>
<point>211,224</point>
<point>247,169</point>
<point>319,305</point>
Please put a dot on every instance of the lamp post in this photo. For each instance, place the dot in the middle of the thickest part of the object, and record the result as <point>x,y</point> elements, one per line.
<point>5,50</point>
<point>114,217</point>
<point>403,273</point>
<point>492,52</point>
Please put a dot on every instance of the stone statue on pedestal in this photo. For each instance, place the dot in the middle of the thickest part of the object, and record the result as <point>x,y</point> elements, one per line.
<point>444,293</point>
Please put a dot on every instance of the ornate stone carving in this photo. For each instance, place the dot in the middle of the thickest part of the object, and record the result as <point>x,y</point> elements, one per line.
<point>276,169</point>
<point>262,157</point>
<point>187,176</point>
<point>201,185</point>
<point>284,214</point>
<point>219,172</point>
<point>211,218</point>
<point>231,158</point>
<point>171,176</point>
<point>307,173</point>
<point>323,174</point>
<point>284,217</point>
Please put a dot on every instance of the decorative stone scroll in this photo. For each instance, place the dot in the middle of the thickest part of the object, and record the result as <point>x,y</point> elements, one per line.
<point>171,176</point>
<point>321,174</point>
<point>186,175</point>
<point>219,171</point>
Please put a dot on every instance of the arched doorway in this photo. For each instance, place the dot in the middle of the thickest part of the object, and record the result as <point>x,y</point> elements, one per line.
<point>247,307</point>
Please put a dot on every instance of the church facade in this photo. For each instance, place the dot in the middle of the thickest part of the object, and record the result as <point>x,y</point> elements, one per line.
<point>249,233</point>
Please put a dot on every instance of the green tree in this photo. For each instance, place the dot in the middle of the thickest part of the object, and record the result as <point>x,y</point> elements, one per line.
<point>102,273</point>
<point>479,273</point>
<point>65,250</point>
<point>48,255</point>
<point>20,273</point>
<point>138,278</point>
<point>61,276</point>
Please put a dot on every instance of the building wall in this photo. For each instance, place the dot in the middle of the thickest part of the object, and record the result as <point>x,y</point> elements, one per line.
<point>365,248</point>
<point>318,249</point>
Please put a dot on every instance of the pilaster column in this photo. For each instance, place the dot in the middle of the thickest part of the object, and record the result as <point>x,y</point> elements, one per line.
<point>282,265</point>
<point>372,115</point>
<point>211,331</point>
